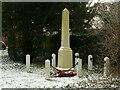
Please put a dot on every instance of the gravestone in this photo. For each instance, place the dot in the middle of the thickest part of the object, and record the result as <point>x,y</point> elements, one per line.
<point>65,52</point>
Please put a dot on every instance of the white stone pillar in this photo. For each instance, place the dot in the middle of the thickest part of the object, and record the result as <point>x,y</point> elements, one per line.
<point>76,60</point>
<point>79,67</point>
<point>28,63</point>
<point>65,52</point>
<point>53,60</point>
<point>90,62</point>
<point>106,67</point>
<point>47,68</point>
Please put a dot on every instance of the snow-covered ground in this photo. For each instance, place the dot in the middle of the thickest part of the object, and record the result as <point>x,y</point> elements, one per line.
<point>14,75</point>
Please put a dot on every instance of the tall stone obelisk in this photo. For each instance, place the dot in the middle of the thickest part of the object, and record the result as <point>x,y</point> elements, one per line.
<point>65,52</point>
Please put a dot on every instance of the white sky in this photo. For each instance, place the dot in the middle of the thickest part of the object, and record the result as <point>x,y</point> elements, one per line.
<point>101,1</point>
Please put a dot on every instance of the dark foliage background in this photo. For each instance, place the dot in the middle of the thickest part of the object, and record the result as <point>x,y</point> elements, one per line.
<point>34,28</point>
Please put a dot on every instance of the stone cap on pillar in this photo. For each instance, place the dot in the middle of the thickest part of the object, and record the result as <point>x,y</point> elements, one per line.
<point>66,10</point>
<point>106,58</point>
<point>90,56</point>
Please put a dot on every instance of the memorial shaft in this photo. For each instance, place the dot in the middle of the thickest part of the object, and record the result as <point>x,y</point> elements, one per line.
<point>65,52</point>
<point>65,42</point>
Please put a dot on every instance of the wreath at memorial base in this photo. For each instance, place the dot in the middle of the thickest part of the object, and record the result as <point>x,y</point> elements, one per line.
<point>64,73</point>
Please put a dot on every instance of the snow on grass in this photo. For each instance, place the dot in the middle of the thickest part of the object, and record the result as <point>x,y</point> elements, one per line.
<point>14,75</point>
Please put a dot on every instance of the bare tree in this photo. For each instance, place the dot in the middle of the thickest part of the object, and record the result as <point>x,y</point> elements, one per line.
<point>108,13</point>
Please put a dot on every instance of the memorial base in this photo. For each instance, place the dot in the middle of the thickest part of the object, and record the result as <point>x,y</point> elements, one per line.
<point>65,57</point>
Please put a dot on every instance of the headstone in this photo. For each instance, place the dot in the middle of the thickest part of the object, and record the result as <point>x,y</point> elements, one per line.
<point>79,67</point>
<point>65,52</point>
<point>76,60</point>
<point>90,62</point>
<point>28,63</point>
<point>53,60</point>
<point>47,68</point>
<point>106,67</point>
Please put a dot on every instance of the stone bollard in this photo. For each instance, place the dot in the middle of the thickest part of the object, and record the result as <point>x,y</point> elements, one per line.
<point>79,67</point>
<point>106,67</point>
<point>47,68</point>
<point>90,62</point>
<point>53,60</point>
<point>28,63</point>
<point>76,60</point>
